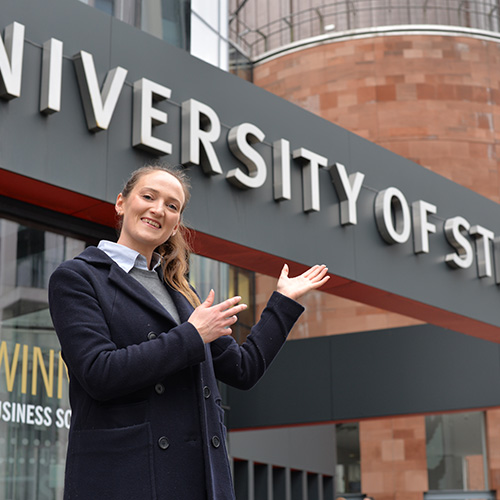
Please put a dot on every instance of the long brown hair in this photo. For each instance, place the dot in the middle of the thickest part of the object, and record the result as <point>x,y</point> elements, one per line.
<point>176,250</point>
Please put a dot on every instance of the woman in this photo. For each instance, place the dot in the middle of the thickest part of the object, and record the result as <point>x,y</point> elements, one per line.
<point>144,355</point>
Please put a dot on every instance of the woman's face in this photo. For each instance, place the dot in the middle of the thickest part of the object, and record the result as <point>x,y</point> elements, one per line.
<point>151,212</point>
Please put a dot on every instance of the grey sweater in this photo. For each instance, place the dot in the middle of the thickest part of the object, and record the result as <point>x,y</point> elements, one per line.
<point>152,283</point>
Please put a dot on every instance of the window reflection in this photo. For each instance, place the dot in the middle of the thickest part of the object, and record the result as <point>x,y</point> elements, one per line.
<point>197,26</point>
<point>34,406</point>
<point>209,33</point>
<point>227,281</point>
<point>242,283</point>
<point>456,455</point>
<point>169,20</point>
<point>104,5</point>
<point>348,471</point>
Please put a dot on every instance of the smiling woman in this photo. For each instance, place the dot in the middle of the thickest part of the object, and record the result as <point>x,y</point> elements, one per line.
<point>150,209</point>
<point>144,355</point>
<point>151,215</point>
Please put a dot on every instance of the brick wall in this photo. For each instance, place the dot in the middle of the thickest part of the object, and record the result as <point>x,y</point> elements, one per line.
<point>493,443</point>
<point>430,98</point>
<point>435,100</point>
<point>393,458</point>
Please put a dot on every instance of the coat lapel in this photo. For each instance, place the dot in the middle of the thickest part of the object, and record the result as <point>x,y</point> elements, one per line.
<point>184,308</point>
<point>129,285</point>
<point>140,295</point>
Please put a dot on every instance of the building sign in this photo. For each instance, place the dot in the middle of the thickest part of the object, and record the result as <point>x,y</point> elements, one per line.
<point>28,374</point>
<point>201,128</point>
<point>267,176</point>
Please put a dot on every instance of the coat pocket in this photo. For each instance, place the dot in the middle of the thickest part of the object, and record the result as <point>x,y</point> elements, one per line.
<point>114,415</point>
<point>110,463</point>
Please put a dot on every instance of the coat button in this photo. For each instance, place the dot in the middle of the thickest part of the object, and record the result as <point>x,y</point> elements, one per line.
<point>206,392</point>
<point>151,335</point>
<point>163,443</point>
<point>215,441</point>
<point>159,388</point>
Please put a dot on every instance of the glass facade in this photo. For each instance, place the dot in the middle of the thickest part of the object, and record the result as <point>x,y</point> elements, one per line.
<point>348,470</point>
<point>198,26</point>
<point>169,20</point>
<point>34,406</point>
<point>259,25</point>
<point>456,455</point>
<point>227,281</point>
<point>240,64</point>
<point>107,6</point>
<point>456,452</point>
<point>209,32</point>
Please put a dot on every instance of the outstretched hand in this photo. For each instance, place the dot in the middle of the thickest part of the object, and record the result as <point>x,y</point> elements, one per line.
<point>311,279</point>
<point>214,321</point>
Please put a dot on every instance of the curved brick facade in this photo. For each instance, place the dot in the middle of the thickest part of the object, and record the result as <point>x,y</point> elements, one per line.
<point>433,99</point>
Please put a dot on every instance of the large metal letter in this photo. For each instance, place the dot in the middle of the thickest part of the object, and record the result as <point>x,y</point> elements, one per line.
<point>453,231</point>
<point>348,189</point>
<point>146,116</point>
<point>421,226</point>
<point>392,215</point>
<point>11,61</point>
<point>496,248</point>
<point>310,177</point>
<point>240,139</point>
<point>200,126</point>
<point>50,90</point>
<point>282,187</point>
<point>483,238</point>
<point>98,107</point>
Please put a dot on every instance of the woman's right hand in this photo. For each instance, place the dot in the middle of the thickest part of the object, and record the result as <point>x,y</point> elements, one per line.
<point>214,321</point>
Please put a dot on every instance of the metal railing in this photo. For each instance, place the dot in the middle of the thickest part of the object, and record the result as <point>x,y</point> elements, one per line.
<point>321,18</point>
<point>258,481</point>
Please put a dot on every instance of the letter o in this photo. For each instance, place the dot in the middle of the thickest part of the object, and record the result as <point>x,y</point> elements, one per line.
<point>392,215</point>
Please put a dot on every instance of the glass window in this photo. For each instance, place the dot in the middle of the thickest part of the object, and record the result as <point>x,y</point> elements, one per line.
<point>198,26</point>
<point>104,5</point>
<point>128,11</point>
<point>31,268</point>
<point>242,283</point>
<point>456,454</point>
<point>209,32</point>
<point>204,42</point>
<point>240,65</point>
<point>34,406</point>
<point>208,11</point>
<point>227,281</point>
<point>168,19</point>
<point>262,25</point>
<point>348,473</point>
<point>205,274</point>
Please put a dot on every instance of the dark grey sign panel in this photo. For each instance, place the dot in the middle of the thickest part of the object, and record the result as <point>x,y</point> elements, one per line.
<point>367,234</point>
<point>401,371</point>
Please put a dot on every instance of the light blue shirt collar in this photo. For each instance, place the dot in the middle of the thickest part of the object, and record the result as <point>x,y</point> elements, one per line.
<point>127,258</point>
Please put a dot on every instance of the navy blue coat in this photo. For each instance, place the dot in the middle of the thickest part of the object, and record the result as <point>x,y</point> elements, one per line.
<point>147,421</point>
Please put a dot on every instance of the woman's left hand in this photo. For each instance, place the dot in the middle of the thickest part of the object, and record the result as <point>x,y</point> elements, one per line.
<point>311,279</point>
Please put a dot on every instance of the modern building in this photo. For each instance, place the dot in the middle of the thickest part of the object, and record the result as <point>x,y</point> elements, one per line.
<point>363,134</point>
<point>418,78</point>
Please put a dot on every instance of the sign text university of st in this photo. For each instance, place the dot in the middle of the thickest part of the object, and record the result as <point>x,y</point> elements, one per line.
<point>398,220</point>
